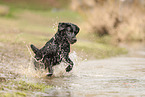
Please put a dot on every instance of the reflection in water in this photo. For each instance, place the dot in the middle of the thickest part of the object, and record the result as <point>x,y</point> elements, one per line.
<point>119,76</point>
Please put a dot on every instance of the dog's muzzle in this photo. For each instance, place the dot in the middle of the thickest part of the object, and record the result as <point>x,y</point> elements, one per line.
<point>74,40</point>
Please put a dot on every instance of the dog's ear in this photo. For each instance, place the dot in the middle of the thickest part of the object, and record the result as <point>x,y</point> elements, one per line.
<point>61,26</point>
<point>77,29</point>
<point>34,49</point>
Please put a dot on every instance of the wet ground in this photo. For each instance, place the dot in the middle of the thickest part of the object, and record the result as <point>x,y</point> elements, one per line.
<point>122,76</point>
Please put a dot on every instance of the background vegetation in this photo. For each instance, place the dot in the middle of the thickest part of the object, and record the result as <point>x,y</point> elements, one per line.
<point>123,20</point>
<point>36,22</point>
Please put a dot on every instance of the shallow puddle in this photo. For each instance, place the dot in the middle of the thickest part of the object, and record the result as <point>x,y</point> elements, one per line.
<point>122,76</point>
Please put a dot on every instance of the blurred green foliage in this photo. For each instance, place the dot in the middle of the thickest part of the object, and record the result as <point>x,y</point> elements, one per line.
<point>36,4</point>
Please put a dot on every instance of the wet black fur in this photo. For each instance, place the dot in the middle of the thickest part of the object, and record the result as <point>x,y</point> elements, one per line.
<point>57,48</point>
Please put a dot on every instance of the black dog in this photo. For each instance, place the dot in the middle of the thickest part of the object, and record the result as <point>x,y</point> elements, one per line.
<point>58,47</point>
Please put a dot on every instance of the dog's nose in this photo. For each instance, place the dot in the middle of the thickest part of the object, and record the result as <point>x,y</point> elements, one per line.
<point>75,40</point>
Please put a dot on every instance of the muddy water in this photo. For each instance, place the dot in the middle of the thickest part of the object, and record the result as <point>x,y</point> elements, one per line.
<point>122,76</point>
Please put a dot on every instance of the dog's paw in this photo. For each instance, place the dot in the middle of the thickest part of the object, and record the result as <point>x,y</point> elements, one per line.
<point>49,74</point>
<point>69,68</point>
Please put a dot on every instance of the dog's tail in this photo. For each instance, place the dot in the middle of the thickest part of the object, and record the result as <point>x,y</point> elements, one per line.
<point>34,49</point>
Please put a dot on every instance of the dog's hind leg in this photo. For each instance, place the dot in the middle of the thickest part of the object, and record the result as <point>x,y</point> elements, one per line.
<point>49,66</point>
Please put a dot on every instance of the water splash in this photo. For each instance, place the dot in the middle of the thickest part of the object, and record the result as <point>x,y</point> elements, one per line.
<point>26,68</point>
<point>59,70</point>
<point>55,26</point>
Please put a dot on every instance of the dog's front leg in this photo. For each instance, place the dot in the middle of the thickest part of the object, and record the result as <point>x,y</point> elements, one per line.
<point>70,66</point>
<point>49,66</point>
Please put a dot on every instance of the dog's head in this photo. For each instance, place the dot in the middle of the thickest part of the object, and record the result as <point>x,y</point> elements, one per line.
<point>38,54</point>
<point>69,31</point>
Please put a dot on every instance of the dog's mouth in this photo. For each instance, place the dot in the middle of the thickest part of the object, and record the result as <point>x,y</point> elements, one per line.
<point>72,41</point>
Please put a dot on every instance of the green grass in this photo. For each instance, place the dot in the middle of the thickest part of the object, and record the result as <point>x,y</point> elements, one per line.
<point>36,4</point>
<point>98,50</point>
<point>22,88</point>
<point>15,94</point>
<point>22,85</point>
